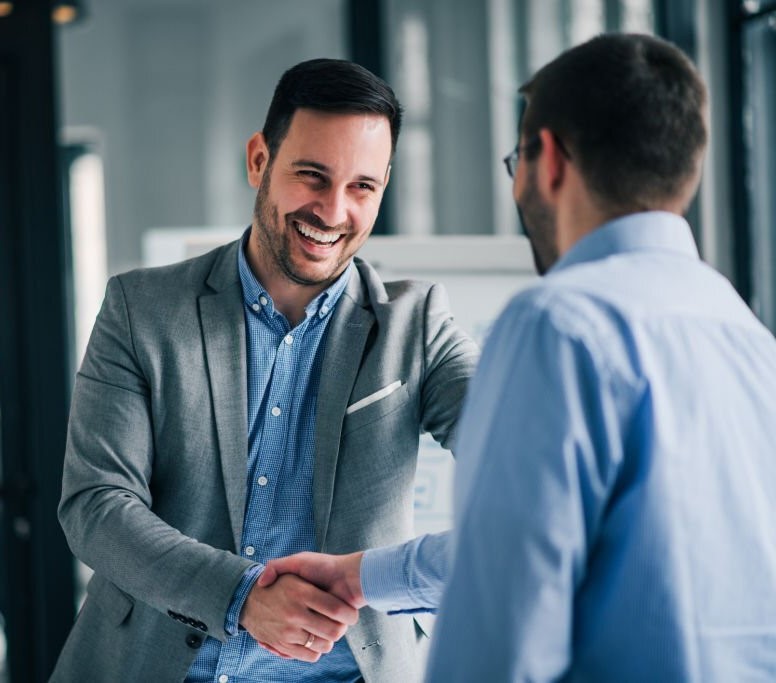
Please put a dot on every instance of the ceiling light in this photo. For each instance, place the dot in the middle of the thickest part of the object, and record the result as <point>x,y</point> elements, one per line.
<point>65,11</point>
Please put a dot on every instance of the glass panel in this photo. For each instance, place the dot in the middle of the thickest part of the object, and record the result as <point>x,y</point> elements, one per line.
<point>439,64</point>
<point>760,117</point>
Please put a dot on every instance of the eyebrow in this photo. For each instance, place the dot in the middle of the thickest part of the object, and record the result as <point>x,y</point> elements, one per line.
<point>307,163</point>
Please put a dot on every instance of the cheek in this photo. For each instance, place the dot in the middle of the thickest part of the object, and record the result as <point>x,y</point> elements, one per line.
<point>291,197</point>
<point>518,183</point>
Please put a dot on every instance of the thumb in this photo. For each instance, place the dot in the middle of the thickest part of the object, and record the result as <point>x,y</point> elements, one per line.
<point>268,576</point>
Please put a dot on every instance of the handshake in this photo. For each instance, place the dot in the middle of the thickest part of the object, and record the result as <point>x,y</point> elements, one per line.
<point>302,604</point>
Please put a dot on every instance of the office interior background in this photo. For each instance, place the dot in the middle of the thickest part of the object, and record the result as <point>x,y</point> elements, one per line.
<point>118,117</point>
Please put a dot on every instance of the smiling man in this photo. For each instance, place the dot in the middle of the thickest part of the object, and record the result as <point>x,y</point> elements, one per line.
<point>261,400</point>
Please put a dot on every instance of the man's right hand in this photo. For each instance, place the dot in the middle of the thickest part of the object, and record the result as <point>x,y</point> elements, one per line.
<point>282,617</point>
<point>338,574</point>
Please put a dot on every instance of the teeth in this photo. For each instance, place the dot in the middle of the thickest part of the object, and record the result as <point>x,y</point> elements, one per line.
<point>317,235</point>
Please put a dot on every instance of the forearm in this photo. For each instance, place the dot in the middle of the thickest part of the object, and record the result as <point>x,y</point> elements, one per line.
<point>407,577</point>
<point>107,517</point>
<point>129,545</point>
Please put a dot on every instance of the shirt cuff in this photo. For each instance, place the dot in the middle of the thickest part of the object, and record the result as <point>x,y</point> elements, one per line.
<point>409,577</point>
<point>250,576</point>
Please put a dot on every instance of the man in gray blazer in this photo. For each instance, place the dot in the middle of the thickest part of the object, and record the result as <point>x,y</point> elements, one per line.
<point>260,400</point>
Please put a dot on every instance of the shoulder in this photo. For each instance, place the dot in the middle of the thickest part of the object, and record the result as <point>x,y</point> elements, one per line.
<point>184,277</point>
<point>557,313</point>
<point>379,291</point>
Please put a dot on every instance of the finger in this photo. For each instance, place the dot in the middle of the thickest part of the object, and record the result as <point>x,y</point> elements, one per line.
<point>320,645</point>
<point>290,564</point>
<point>332,607</point>
<point>274,651</point>
<point>268,576</point>
<point>303,653</point>
<point>316,625</point>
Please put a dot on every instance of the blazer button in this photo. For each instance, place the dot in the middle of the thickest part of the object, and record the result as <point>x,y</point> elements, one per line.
<point>194,641</point>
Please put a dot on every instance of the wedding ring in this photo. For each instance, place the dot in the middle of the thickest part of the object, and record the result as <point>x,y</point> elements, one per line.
<point>310,640</point>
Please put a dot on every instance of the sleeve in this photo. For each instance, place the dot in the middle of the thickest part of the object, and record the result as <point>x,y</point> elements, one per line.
<point>540,445</point>
<point>105,508</point>
<point>249,578</point>
<point>450,360</point>
<point>408,577</point>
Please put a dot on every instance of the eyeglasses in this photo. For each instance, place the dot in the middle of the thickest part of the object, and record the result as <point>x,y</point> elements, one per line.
<point>510,160</point>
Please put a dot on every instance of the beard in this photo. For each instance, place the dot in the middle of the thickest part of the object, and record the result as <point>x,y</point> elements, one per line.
<point>539,221</point>
<point>274,241</point>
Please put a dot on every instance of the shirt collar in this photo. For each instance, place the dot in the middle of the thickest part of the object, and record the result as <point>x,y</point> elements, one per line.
<point>254,292</point>
<point>647,231</point>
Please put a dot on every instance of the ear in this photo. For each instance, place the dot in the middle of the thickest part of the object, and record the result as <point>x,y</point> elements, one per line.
<point>256,158</point>
<point>552,164</point>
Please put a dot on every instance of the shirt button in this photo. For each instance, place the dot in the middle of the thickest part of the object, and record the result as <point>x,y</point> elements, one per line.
<point>223,678</point>
<point>263,300</point>
<point>289,339</point>
<point>262,480</point>
<point>276,411</point>
<point>324,310</point>
<point>250,550</point>
<point>256,307</point>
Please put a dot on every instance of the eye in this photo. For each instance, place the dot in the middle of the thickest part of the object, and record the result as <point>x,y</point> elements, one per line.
<point>311,174</point>
<point>365,187</point>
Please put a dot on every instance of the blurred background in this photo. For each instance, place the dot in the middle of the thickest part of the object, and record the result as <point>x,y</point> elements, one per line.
<point>125,120</point>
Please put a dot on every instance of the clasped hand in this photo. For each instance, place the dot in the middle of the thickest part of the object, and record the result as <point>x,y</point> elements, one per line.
<point>302,604</point>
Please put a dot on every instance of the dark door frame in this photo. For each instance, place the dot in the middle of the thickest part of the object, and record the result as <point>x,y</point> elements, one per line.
<point>37,579</point>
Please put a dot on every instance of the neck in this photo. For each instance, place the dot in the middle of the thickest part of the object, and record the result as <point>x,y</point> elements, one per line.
<point>289,298</point>
<point>577,215</point>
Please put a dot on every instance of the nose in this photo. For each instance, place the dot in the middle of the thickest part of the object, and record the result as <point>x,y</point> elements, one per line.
<point>333,207</point>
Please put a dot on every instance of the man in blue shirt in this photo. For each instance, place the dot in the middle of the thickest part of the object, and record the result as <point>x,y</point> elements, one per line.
<point>614,497</point>
<point>260,400</point>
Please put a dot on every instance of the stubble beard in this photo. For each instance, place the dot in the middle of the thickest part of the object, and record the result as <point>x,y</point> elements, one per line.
<point>539,221</point>
<point>274,241</point>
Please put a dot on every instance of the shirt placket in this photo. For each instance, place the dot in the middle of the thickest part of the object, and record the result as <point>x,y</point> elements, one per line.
<point>278,414</point>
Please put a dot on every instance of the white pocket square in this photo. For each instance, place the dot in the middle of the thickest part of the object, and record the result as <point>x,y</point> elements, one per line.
<point>376,396</point>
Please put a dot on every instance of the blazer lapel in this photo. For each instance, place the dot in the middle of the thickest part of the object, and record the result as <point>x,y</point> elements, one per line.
<point>345,343</point>
<point>223,329</point>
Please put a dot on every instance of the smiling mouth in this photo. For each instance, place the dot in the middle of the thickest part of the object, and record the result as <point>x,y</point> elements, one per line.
<point>325,239</point>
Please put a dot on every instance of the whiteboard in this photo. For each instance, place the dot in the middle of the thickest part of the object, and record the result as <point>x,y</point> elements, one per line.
<point>481,274</point>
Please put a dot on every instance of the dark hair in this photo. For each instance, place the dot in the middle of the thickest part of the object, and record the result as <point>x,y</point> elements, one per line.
<point>329,85</point>
<point>630,110</point>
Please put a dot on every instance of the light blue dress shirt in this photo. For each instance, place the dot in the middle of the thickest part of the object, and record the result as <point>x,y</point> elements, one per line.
<point>284,368</point>
<point>615,496</point>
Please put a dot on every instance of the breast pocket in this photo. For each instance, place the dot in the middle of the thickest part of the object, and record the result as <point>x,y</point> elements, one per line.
<point>375,405</point>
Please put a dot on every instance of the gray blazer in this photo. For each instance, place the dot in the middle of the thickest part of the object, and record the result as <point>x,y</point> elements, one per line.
<point>154,486</point>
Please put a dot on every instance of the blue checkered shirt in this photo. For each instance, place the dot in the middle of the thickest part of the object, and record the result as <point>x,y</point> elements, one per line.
<point>284,368</point>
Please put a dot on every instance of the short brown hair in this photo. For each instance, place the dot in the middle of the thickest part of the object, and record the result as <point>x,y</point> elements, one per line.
<point>630,109</point>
